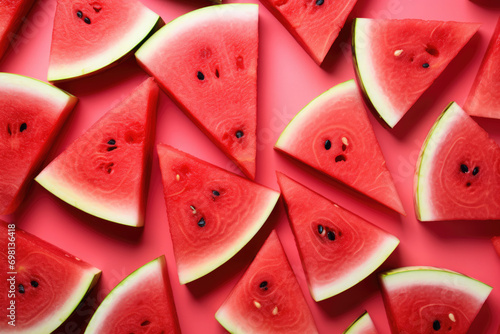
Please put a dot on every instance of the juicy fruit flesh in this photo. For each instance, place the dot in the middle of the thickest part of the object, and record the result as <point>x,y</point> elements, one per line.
<point>277,306</point>
<point>10,18</point>
<point>213,76</point>
<point>362,325</point>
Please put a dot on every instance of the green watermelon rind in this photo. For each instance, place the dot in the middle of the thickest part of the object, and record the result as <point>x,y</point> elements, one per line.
<point>127,285</point>
<point>145,23</point>
<point>365,70</point>
<point>437,134</point>
<point>363,322</point>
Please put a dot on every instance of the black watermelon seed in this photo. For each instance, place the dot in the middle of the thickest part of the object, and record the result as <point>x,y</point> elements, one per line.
<point>23,127</point>
<point>34,284</point>
<point>328,144</point>
<point>425,65</point>
<point>145,323</point>
<point>201,222</point>
<point>111,142</point>
<point>239,134</point>
<point>331,235</point>
<point>475,170</point>
<point>464,168</point>
<point>79,14</point>
<point>263,285</point>
<point>468,184</point>
<point>320,229</point>
<point>112,148</point>
<point>21,288</point>
<point>320,2</point>
<point>217,73</point>
<point>86,20</point>
<point>340,157</point>
<point>436,325</point>
<point>216,193</point>
<point>200,76</point>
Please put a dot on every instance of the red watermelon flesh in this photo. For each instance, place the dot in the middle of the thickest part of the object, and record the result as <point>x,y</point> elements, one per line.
<point>496,244</point>
<point>397,60</point>
<point>484,97</point>
<point>206,61</point>
<point>49,283</point>
<point>11,14</point>
<point>142,303</point>
<point>105,172</point>
<point>334,135</point>
<point>31,114</point>
<point>315,24</point>
<point>428,300</point>
<point>89,36</point>
<point>268,298</point>
<point>212,213</point>
<point>362,325</point>
<point>458,172</point>
<point>337,248</point>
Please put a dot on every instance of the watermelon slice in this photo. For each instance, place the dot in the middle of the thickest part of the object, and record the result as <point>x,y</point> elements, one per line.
<point>397,60</point>
<point>427,300</point>
<point>334,135</point>
<point>267,299</point>
<point>314,24</point>
<point>206,61</point>
<point>89,36</point>
<point>105,172</point>
<point>141,303</point>
<point>42,282</point>
<point>31,114</point>
<point>222,210</point>
<point>337,248</point>
<point>496,244</point>
<point>11,15</point>
<point>458,172</point>
<point>484,97</point>
<point>362,325</point>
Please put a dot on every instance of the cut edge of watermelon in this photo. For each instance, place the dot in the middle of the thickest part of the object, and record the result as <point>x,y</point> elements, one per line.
<point>437,134</point>
<point>187,275</point>
<point>145,22</point>
<point>362,323</point>
<point>366,72</point>
<point>496,244</point>
<point>122,289</point>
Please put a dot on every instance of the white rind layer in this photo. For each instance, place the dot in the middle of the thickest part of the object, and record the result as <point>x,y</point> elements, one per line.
<point>361,325</point>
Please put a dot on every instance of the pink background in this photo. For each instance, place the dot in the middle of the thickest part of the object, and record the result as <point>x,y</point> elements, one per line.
<point>288,80</point>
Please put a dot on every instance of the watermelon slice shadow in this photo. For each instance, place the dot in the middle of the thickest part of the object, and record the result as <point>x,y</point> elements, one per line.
<point>237,265</point>
<point>464,229</point>
<point>340,47</point>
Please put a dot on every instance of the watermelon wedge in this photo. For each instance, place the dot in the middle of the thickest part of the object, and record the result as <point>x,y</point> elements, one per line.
<point>105,172</point>
<point>11,15</point>
<point>89,36</point>
<point>397,60</point>
<point>31,115</point>
<point>337,248</point>
<point>496,244</point>
<point>267,299</point>
<point>333,135</point>
<point>212,213</point>
<point>141,303</point>
<point>484,97</point>
<point>458,172</point>
<point>206,61</point>
<point>431,300</point>
<point>314,24</point>
<point>41,284</point>
<point>362,325</point>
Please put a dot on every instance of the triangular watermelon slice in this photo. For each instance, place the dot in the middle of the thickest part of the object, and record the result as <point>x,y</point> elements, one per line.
<point>206,61</point>
<point>362,325</point>
<point>334,135</point>
<point>105,172</point>
<point>458,172</point>
<point>397,60</point>
<point>12,13</point>
<point>337,248</point>
<point>268,298</point>
<point>314,24</point>
<point>484,97</point>
<point>42,282</point>
<point>31,114</point>
<point>496,244</point>
<point>89,36</point>
<point>141,303</point>
<point>430,300</point>
<point>212,213</point>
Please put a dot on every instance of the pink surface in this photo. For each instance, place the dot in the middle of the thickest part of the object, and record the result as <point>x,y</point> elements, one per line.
<point>288,80</point>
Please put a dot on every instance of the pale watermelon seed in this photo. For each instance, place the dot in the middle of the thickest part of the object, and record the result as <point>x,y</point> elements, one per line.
<point>398,53</point>
<point>475,171</point>
<point>177,177</point>
<point>464,168</point>
<point>21,288</point>
<point>23,127</point>
<point>452,317</point>
<point>436,325</point>
<point>257,304</point>
<point>425,65</point>
<point>86,20</point>
<point>79,14</point>
<point>328,144</point>
<point>202,222</point>
<point>34,284</point>
<point>239,134</point>
<point>200,76</point>
<point>193,208</point>
<point>275,310</point>
<point>263,285</point>
<point>319,2</point>
<point>331,235</point>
